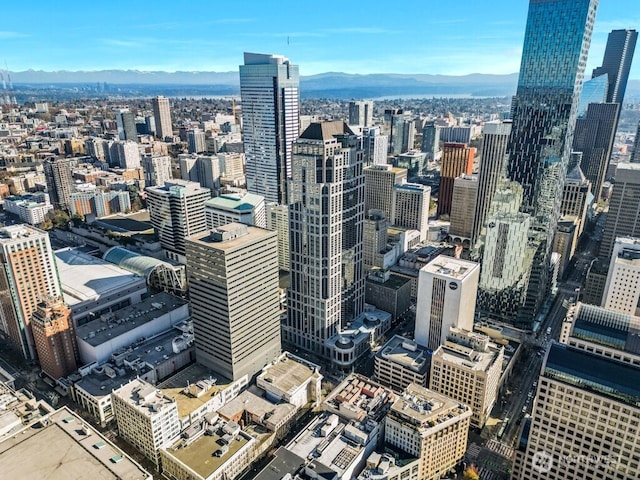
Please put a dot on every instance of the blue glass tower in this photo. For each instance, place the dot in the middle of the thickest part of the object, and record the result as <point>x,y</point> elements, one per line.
<point>544,111</point>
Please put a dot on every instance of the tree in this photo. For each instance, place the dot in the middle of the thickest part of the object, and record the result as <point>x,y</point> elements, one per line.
<point>471,473</point>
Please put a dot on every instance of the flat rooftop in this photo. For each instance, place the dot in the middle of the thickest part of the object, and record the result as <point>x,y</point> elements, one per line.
<point>193,375</point>
<point>450,267</point>
<point>204,455</point>
<point>605,327</point>
<point>286,373</point>
<point>465,356</point>
<point>86,278</point>
<point>595,373</point>
<point>144,397</point>
<point>252,235</point>
<point>407,353</point>
<point>284,461</point>
<point>63,450</point>
<point>427,408</point>
<point>123,320</point>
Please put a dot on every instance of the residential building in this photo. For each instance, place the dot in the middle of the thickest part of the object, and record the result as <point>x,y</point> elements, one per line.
<point>326,219</point>
<point>361,113</point>
<point>57,173</point>
<point>411,207</point>
<point>126,122</point>
<point>196,142</point>
<point>622,290</point>
<point>29,274</point>
<point>269,90</point>
<point>146,417</point>
<point>99,203</point>
<point>376,146</point>
<point>157,170</point>
<point>379,181</point>
<point>54,338</point>
<point>31,209</point>
<point>204,169</point>
<point>457,159</point>
<point>430,427</point>
<point>162,117</point>
<point>234,338</point>
<point>447,290</point>
<point>468,368</point>
<point>246,208</point>
<point>176,210</point>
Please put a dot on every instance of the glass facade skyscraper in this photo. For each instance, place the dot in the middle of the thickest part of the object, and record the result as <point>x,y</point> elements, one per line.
<point>544,111</point>
<point>269,89</point>
<point>616,64</point>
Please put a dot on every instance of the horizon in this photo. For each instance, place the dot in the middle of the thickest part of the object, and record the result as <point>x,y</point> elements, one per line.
<point>417,39</point>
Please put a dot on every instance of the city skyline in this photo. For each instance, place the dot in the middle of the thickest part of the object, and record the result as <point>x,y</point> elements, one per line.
<point>478,39</point>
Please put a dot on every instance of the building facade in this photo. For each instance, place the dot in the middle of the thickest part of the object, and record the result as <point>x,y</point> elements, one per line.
<point>54,338</point>
<point>624,208</point>
<point>457,159</point>
<point>622,290</point>
<point>162,117</point>
<point>379,181</point>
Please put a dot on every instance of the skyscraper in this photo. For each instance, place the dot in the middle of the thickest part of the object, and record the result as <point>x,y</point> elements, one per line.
<point>457,158</point>
<point>234,298</point>
<point>176,210</point>
<point>162,117</point>
<point>447,290</point>
<point>376,146</point>
<point>269,89</point>
<point>326,218</point>
<point>623,218</point>
<point>618,56</point>
<point>622,290</point>
<point>463,207</point>
<point>431,141</point>
<point>635,156</point>
<point>157,170</point>
<point>361,113</point>
<point>126,122</point>
<point>492,162</point>
<point>57,173</point>
<point>411,207</point>
<point>28,276</point>
<point>556,46</point>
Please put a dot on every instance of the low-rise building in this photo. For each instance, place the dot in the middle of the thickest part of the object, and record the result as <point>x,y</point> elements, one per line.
<point>31,209</point>
<point>401,362</point>
<point>291,379</point>
<point>388,292</point>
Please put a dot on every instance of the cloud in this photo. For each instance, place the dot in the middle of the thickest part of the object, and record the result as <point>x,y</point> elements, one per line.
<point>362,30</point>
<point>112,42</point>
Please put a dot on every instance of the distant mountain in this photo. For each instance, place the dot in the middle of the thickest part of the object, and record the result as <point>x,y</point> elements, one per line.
<point>330,84</point>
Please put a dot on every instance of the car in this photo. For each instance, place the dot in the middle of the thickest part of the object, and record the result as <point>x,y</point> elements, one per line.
<point>524,409</point>
<point>535,384</point>
<point>548,330</point>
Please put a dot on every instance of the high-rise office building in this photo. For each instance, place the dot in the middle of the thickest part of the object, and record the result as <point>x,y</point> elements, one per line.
<point>379,181</point>
<point>623,218</point>
<point>54,338</point>
<point>57,173</point>
<point>622,290</point>
<point>411,207</point>
<point>126,123</point>
<point>375,238</point>
<point>402,131</point>
<point>463,208</point>
<point>576,196</point>
<point>162,117</point>
<point>375,145</point>
<point>594,137</point>
<point>29,275</point>
<point>495,136</point>
<point>176,210</point>
<point>585,413</point>
<point>361,113</point>
<point>326,217</point>
<point>269,89</point>
<point>457,159</point>
<point>616,64</point>
<point>447,290</point>
<point>157,170</point>
<point>245,208</point>
<point>234,298</point>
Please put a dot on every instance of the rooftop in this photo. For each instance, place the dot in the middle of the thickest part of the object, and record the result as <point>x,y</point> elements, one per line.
<point>86,278</point>
<point>288,373</point>
<point>598,374</point>
<point>78,452</point>
<point>467,357</point>
<point>428,409</point>
<point>144,397</point>
<point>114,324</point>
<point>235,202</point>
<point>605,327</point>
<point>284,462</point>
<point>450,267</point>
<point>326,130</point>
<point>253,234</point>
<point>407,353</point>
<point>360,396</point>
<point>209,451</point>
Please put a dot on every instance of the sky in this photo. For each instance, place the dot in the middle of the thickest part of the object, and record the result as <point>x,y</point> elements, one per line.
<point>408,36</point>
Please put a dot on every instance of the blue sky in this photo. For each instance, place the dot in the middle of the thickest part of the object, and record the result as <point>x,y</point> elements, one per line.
<point>398,36</point>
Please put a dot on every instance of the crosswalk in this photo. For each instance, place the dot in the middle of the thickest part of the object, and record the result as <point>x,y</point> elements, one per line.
<point>490,459</point>
<point>500,448</point>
